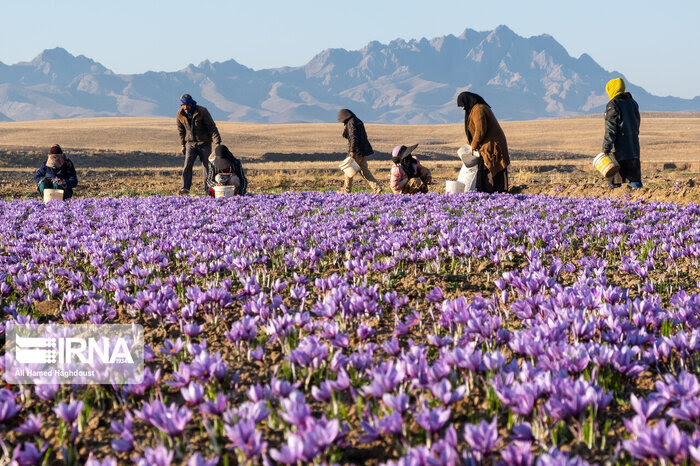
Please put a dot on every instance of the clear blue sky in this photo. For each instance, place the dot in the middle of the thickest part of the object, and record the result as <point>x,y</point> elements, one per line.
<point>654,43</point>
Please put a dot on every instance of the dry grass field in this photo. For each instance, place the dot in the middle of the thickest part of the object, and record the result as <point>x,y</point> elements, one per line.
<point>140,156</point>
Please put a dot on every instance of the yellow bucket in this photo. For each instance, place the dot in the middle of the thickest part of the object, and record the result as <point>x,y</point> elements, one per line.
<point>606,164</point>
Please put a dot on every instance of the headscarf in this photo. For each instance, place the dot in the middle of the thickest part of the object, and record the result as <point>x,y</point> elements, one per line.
<point>223,159</point>
<point>615,87</point>
<point>401,155</point>
<point>468,100</point>
<point>344,115</point>
<point>187,99</point>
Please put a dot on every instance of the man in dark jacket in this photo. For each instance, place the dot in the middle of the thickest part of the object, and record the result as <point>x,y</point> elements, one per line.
<point>622,134</point>
<point>197,131</point>
<point>56,173</point>
<point>359,148</point>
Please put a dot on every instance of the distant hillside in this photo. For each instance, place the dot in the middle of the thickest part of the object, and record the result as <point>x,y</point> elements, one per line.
<point>401,82</point>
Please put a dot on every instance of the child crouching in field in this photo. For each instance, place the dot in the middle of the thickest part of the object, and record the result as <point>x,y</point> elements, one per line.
<point>408,176</point>
<point>225,170</point>
<point>56,173</point>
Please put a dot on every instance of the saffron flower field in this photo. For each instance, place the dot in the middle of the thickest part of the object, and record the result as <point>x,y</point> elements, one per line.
<point>327,328</point>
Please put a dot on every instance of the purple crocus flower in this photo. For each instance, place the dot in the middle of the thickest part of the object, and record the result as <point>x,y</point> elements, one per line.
<point>435,295</point>
<point>482,438</point>
<point>432,420</point>
<point>322,393</point>
<point>216,407</point>
<point>126,441</point>
<point>648,408</point>
<point>159,456</point>
<point>8,409</point>
<point>688,410</point>
<point>32,426</point>
<point>169,419</point>
<point>291,452</point>
<point>171,348</point>
<point>295,411</point>
<point>193,393</point>
<point>27,454</point>
<point>198,460</point>
<point>557,458</point>
<point>192,329</point>
<point>246,438</point>
<point>662,441</point>
<point>518,454</point>
<point>443,392</point>
<point>108,461</point>
<point>69,412</point>
<point>398,402</point>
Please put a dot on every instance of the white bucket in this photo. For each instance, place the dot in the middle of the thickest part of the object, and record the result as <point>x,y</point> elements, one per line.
<point>53,194</point>
<point>224,191</point>
<point>349,167</point>
<point>452,187</point>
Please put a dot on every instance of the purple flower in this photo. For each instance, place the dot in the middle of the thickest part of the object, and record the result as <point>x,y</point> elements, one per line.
<point>364,332</point>
<point>435,295</point>
<point>482,438</point>
<point>193,393</point>
<point>108,461</point>
<point>322,393</point>
<point>27,454</point>
<point>69,412</point>
<point>648,408</point>
<point>246,438</point>
<point>198,460</point>
<point>169,419</point>
<point>216,407</point>
<point>32,426</point>
<point>432,420</point>
<point>398,402</point>
<point>295,411</point>
<point>557,458</point>
<point>159,456</point>
<point>688,410</point>
<point>443,392</point>
<point>192,330</point>
<point>685,386</point>
<point>518,454</point>
<point>8,409</point>
<point>662,441</point>
<point>291,452</point>
<point>171,348</point>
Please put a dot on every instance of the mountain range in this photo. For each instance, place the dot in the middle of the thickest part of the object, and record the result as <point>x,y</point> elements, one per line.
<point>402,82</point>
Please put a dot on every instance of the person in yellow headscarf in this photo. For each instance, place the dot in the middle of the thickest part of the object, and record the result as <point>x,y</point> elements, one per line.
<point>622,134</point>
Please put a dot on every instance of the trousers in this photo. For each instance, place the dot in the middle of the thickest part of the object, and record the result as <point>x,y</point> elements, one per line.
<point>192,151</point>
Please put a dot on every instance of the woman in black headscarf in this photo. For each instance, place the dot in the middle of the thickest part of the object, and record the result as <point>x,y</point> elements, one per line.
<point>225,170</point>
<point>485,135</point>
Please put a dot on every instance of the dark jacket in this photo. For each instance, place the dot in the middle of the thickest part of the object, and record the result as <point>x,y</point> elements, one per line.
<point>198,129</point>
<point>66,172</point>
<point>622,127</point>
<point>234,167</point>
<point>356,135</point>
<point>488,138</point>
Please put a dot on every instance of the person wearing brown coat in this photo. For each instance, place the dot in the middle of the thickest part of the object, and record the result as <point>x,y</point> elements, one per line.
<point>197,131</point>
<point>485,135</point>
